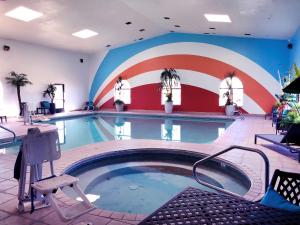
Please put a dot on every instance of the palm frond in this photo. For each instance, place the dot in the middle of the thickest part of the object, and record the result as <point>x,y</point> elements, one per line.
<point>16,79</point>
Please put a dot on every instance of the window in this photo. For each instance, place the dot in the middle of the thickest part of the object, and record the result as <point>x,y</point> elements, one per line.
<point>237,91</point>
<point>122,92</point>
<point>176,93</point>
<point>59,98</point>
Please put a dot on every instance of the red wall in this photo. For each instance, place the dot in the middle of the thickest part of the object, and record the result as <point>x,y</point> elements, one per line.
<point>193,99</point>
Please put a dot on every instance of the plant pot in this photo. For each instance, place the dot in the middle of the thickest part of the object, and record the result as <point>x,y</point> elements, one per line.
<point>229,110</point>
<point>52,108</point>
<point>168,107</point>
<point>120,107</point>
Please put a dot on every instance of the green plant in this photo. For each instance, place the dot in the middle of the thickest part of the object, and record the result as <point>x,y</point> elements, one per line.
<point>168,78</point>
<point>118,87</point>
<point>296,70</point>
<point>50,91</point>
<point>118,102</point>
<point>119,84</point>
<point>292,117</point>
<point>229,93</point>
<point>18,80</point>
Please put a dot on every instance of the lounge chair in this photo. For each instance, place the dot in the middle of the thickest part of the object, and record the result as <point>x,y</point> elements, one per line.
<point>287,185</point>
<point>289,140</point>
<point>44,109</point>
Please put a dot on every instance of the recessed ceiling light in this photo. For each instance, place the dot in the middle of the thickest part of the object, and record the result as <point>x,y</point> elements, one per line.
<point>218,18</point>
<point>212,28</point>
<point>23,13</point>
<point>141,30</point>
<point>128,23</point>
<point>172,31</point>
<point>107,46</point>
<point>166,18</point>
<point>205,33</point>
<point>86,33</point>
<point>247,34</point>
<point>176,25</point>
<point>141,38</point>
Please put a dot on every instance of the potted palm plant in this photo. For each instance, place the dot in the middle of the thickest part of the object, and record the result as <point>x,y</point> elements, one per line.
<point>229,105</point>
<point>118,88</point>
<point>168,78</point>
<point>18,80</point>
<point>50,91</point>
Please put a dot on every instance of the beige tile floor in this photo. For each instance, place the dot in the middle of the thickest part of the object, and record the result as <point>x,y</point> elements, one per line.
<point>241,132</point>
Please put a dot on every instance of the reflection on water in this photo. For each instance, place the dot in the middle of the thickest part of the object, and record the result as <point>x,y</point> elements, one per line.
<point>61,128</point>
<point>123,132</point>
<point>170,131</point>
<point>85,130</point>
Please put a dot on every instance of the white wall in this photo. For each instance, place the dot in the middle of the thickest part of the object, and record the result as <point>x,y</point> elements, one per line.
<point>94,61</point>
<point>43,65</point>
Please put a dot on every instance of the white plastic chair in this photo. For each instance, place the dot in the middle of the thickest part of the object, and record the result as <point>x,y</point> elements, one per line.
<point>39,148</point>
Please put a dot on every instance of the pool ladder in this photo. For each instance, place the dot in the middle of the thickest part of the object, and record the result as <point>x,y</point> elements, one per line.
<point>3,144</point>
<point>202,161</point>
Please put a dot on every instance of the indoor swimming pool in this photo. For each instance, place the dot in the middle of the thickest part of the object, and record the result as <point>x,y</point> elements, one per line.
<point>79,131</point>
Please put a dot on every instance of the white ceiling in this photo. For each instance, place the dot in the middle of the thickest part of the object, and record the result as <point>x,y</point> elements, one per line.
<point>277,19</point>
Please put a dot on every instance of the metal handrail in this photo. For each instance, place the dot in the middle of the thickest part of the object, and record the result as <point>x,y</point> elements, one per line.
<point>10,131</point>
<point>265,158</point>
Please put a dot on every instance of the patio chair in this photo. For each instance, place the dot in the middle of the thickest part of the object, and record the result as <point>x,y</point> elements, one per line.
<point>89,106</point>
<point>289,140</point>
<point>44,109</point>
<point>237,112</point>
<point>37,149</point>
<point>283,192</point>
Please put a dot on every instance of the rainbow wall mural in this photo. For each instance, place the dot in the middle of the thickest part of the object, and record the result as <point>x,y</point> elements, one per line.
<point>201,62</point>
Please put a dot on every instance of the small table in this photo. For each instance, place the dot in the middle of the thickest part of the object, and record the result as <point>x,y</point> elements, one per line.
<point>196,207</point>
<point>41,110</point>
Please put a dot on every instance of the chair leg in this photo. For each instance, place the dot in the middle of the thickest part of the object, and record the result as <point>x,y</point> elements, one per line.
<point>71,212</point>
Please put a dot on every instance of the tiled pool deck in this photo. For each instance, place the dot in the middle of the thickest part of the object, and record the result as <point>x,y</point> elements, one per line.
<point>241,132</point>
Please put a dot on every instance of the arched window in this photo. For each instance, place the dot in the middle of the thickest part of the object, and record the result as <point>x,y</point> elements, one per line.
<point>122,91</point>
<point>176,93</point>
<point>237,91</point>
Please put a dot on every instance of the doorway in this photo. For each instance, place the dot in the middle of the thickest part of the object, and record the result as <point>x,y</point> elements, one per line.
<point>59,99</point>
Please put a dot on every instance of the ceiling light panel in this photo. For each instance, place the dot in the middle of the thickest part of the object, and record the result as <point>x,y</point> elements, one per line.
<point>222,18</point>
<point>24,14</point>
<point>86,33</point>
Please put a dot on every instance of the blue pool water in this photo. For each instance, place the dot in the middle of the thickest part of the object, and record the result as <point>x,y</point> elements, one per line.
<point>79,131</point>
<point>141,181</point>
